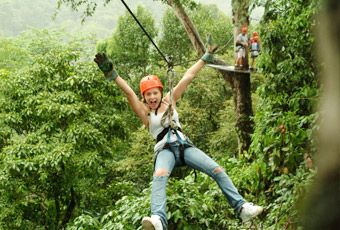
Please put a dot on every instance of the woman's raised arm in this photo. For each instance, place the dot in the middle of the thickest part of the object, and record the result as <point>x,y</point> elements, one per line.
<point>182,85</point>
<point>106,66</point>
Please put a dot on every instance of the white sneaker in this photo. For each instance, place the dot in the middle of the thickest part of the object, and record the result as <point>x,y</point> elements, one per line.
<point>249,211</point>
<point>152,223</point>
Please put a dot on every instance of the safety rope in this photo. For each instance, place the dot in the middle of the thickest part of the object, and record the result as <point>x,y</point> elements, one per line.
<point>171,75</point>
<point>168,114</point>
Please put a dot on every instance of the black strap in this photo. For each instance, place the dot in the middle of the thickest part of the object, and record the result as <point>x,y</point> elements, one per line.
<point>181,152</point>
<point>182,146</point>
<point>162,134</point>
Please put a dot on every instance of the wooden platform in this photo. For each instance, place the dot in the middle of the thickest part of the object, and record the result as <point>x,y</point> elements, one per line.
<point>229,68</point>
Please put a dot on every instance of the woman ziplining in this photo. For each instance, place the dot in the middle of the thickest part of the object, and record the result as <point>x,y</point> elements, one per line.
<point>173,148</point>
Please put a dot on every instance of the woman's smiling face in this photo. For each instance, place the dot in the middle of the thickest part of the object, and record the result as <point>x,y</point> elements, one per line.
<point>153,97</point>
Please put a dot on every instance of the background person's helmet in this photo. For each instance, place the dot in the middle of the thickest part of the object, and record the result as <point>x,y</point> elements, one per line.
<point>255,34</point>
<point>149,82</point>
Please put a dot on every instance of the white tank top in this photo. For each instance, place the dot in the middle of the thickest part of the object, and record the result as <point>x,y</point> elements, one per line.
<point>155,128</point>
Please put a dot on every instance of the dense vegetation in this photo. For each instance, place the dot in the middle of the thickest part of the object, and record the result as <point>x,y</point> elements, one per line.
<point>73,155</point>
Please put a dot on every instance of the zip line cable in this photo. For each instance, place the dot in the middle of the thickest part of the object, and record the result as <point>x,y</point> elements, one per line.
<point>226,45</point>
<point>218,51</point>
<point>167,59</point>
<point>169,62</point>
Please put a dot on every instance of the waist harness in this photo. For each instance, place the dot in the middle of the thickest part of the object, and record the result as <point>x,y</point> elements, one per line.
<point>182,143</point>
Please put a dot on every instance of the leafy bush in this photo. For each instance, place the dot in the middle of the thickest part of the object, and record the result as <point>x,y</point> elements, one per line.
<point>289,190</point>
<point>59,122</point>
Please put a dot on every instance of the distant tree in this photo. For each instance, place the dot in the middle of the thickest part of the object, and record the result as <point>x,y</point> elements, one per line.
<point>11,55</point>
<point>129,47</point>
<point>173,31</point>
<point>209,20</point>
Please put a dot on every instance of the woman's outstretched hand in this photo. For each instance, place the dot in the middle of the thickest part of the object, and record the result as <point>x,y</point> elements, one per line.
<point>211,48</point>
<point>106,66</point>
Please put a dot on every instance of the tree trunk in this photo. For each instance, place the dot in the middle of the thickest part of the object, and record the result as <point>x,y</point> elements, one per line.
<point>70,207</point>
<point>57,207</point>
<point>242,98</point>
<point>239,82</point>
<point>322,210</point>
<point>188,26</point>
<point>240,9</point>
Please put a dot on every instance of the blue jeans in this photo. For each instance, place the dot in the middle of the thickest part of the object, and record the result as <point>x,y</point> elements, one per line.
<point>167,159</point>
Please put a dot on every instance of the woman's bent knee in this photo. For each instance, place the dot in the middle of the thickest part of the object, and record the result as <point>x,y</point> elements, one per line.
<point>161,172</point>
<point>218,170</point>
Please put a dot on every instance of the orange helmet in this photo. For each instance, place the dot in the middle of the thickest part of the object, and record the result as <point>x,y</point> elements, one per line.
<point>244,29</point>
<point>149,82</point>
<point>255,34</point>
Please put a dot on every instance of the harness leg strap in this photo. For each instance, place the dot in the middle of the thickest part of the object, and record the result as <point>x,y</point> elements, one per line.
<point>181,153</point>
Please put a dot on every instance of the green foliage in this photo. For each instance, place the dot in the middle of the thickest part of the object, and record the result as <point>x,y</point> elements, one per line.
<point>192,205</point>
<point>200,105</point>
<point>289,190</point>
<point>137,164</point>
<point>223,142</point>
<point>11,55</point>
<point>286,116</point>
<point>129,47</point>
<point>127,214</point>
<point>197,204</point>
<point>58,121</point>
<point>85,221</point>
<point>173,31</point>
<point>209,20</point>
<point>67,135</point>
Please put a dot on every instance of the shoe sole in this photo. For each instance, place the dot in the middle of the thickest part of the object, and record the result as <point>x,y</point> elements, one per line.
<point>252,216</point>
<point>147,225</point>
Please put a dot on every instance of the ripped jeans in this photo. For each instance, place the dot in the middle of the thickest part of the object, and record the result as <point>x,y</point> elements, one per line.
<point>168,159</point>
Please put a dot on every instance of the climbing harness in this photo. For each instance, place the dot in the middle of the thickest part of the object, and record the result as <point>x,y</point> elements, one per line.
<point>172,127</point>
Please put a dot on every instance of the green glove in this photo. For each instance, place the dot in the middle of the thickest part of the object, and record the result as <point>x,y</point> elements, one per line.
<point>208,57</point>
<point>106,66</point>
